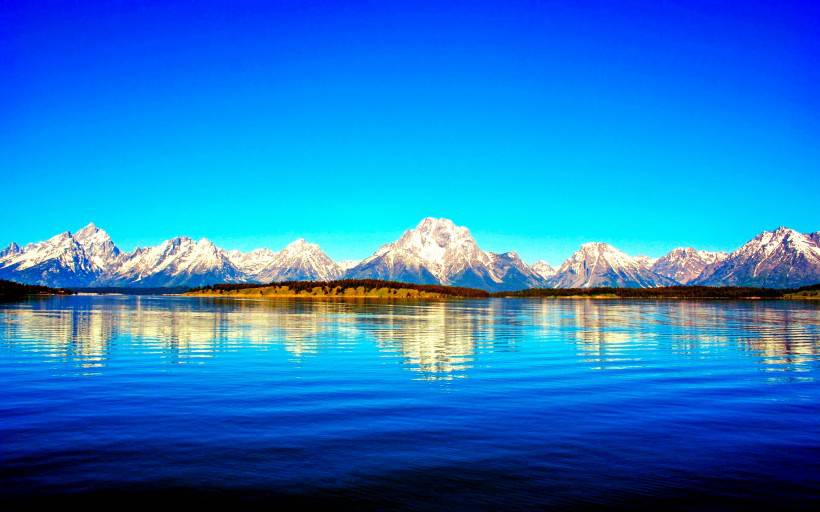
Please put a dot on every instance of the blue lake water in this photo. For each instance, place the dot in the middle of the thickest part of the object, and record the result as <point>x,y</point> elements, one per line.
<point>484,404</point>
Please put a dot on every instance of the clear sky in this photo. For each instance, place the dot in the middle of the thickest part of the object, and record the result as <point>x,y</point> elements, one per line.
<point>539,125</point>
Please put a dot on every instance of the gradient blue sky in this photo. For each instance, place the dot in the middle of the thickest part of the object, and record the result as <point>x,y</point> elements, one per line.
<point>539,125</point>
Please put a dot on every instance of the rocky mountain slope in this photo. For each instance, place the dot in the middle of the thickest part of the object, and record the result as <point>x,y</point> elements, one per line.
<point>598,264</point>
<point>439,252</point>
<point>61,261</point>
<point>686,264</point>
<point>783,258</point>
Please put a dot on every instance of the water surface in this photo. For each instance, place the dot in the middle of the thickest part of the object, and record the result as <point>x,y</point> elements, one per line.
<point>485,404</point>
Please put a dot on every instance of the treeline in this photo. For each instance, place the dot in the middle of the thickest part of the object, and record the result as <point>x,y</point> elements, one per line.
<point>10,289</point>
<point>670,292</point>
<point>367,284</point>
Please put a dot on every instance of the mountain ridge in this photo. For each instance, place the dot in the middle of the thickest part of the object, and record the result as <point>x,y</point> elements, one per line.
<point>435,252</point>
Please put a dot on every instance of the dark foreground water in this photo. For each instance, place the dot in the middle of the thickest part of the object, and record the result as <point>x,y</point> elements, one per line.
<point>496,404</point>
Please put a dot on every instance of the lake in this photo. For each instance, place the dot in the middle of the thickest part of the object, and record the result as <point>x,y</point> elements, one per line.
<point>463,404</point>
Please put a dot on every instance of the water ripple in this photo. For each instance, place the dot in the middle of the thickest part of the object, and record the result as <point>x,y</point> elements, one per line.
<point>513,403</point>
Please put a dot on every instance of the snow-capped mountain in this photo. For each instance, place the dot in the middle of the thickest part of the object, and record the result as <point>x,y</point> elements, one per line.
<point>62,260</point>
<point>90,258</point>
<point>646,261</point>
<point>543,269</point>
<point>346,265</point>
<point>513,273</point>
<point>598,264</point>
<point>439,252</point>
<point>251,263</point>
<point>782,258</point>
<point>686,264</point>
<point>180,261</point>
<point>434,252</point>
<point>299,261</point>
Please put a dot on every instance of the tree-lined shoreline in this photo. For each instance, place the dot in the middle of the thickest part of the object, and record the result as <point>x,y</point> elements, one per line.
<point>374,288</point>
<point>344,288</point>
<point>381,289</point>
<point>14,290</point>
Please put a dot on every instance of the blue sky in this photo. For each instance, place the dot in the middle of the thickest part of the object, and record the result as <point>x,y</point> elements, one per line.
<point>539,125</point>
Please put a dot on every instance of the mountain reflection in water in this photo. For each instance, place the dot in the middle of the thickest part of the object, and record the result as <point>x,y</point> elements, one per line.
<point>462,404</point>
<point>438,339</point>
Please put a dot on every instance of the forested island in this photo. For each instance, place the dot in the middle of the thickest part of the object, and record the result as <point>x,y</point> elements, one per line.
<point>346,288</point>
<point>380,289</point>
<point>374,288</point>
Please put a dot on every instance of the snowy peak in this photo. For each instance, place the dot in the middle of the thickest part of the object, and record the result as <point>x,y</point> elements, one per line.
<point>89,230</point>
<point>599,252</point>
<point>781,258</point>
<point>437,251</point>
<point>346,265</point>
<point>180,261</point>
<point>685,264</point>
<point>781,239</point>
<point>597,264</point>
<point>646,261</point>
<point>62,249</point>
<point>59,261</point>
<point>437,245</point>
<point>511,273</point>
<point>98,246</point>
<point>543,269</point>
<point>299,246</point>
<point>299,260</point>
<point>444,231</point>
<point>251,263</point>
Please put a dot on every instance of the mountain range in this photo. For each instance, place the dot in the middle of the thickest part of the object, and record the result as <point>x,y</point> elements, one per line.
<point>436,251</point>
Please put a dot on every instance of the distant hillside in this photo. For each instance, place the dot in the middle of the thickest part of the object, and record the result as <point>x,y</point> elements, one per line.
<point>669,292</point>
<point>350,288</point>
<point>12,290</point>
